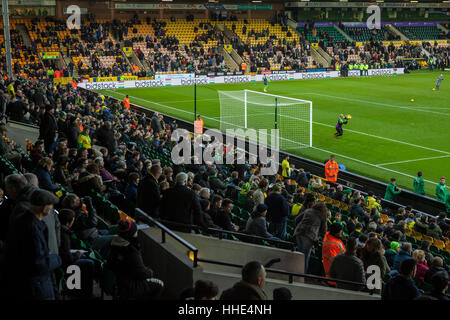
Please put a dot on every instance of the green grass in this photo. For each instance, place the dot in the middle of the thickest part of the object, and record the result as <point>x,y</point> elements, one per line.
<point>388,135</point>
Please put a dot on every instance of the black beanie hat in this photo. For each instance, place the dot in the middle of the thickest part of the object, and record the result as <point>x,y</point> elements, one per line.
<point>126,229</point>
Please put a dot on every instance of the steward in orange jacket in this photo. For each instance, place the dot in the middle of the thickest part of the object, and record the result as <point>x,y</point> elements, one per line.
<point>331,170</point>
<point>332,246</point>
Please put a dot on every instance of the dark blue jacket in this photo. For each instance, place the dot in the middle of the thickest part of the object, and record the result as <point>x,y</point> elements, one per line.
<point>278,208</point>
<point>402,255</point>
<point>390,256</point>
<point>45,180</point>
<point>131,192</point>
<point>29,265</point>
<point>400,287</point>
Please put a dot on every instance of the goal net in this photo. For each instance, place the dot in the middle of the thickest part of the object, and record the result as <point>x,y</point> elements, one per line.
<point>247,109</point>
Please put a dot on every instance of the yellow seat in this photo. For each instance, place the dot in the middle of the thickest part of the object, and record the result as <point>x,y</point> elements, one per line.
<point>425,237</point>
<point>439,243</point>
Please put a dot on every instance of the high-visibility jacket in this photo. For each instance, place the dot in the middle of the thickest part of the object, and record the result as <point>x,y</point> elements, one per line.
<point>331,247</point>
<point>285,169</point>
<point>331,171</point>
<point>198,126</point>
<point>243,66</point>
<point>126,103</point>
<point>84,141</point>
<point>372,203</point>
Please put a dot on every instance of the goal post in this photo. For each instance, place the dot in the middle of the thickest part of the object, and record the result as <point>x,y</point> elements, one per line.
<point>248,109</point>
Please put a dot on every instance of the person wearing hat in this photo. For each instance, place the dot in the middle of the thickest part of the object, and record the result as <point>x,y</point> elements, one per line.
<point>134,279</point>
<point>29,265</point>
<point>201,177</point>
<point>391,253</point>
<point>48,128</point>
<point>257,224</point>
<point>243,194</point>
<point>62,125</point>
<point>216,184</point>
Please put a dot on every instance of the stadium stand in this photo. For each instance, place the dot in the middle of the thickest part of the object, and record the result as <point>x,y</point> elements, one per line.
<point>102,160</point>
<point>422,33</point>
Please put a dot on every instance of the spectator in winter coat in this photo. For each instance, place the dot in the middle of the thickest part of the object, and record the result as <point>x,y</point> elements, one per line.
<point>251,286</point>
<point>348,266</point>
<point>373,254</point>
<point>48,128</point>
<point>402,286</point>
<point>391,253</point>
<point>223,216</point>
<point>42,172</point>
<point>134,279</point>
<point>257,225</point>
<point>310,225</point>
<point>422,267</point>
<point>436,265</point>
<point>130,191</point>
<point>29,265</point>
<point>277,212</point>
<point>149,196</point>
<point>180,204</point>
<point>404,253</point>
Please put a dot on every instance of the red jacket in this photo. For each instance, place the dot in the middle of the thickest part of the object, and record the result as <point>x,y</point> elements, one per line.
<point>422,268</point>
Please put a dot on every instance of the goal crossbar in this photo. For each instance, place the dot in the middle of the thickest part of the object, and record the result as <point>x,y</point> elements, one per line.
<point>248,109</point>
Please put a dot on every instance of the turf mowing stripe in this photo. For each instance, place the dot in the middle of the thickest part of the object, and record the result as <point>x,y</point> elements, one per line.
<point>358,132</point>
<point>379,104</point>
<point>323,150</point>
<point>318,123</point>
<point>405,161</point>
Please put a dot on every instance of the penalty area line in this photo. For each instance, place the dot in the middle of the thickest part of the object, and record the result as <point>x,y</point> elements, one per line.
<point>406,161</point>
<point>370,164</point>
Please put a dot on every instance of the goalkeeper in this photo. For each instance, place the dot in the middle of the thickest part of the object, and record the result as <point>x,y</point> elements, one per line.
<point>439,80</point>
<point>341,121</point>
<point>266,82</point>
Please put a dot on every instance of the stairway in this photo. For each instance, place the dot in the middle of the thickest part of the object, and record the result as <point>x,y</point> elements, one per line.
<point>24,34</point>
<point>229,61</point>
<point>229,35</point>
<point>66,62</point>
<point>343,33</point>
<point>320,56</point>
<point>397,32</point>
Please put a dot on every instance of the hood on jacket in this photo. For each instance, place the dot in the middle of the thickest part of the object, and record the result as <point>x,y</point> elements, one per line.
<point>118,241</point>
<point>86,178</point>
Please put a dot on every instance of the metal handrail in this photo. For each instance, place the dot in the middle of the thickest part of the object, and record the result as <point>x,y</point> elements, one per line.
<point>164,230</point>
<point>192,248</point>
<point>288,273</point>
<point>291,245</point>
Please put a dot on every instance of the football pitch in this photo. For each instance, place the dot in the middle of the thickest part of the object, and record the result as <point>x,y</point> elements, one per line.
<point>388,135</point>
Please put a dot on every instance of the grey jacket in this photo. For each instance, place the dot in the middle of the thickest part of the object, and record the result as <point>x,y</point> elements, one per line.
<point>348,267</point>
<point>310,224</point>
<point>54,232</point>
<point>257,227</point>
<point>258,197</point>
